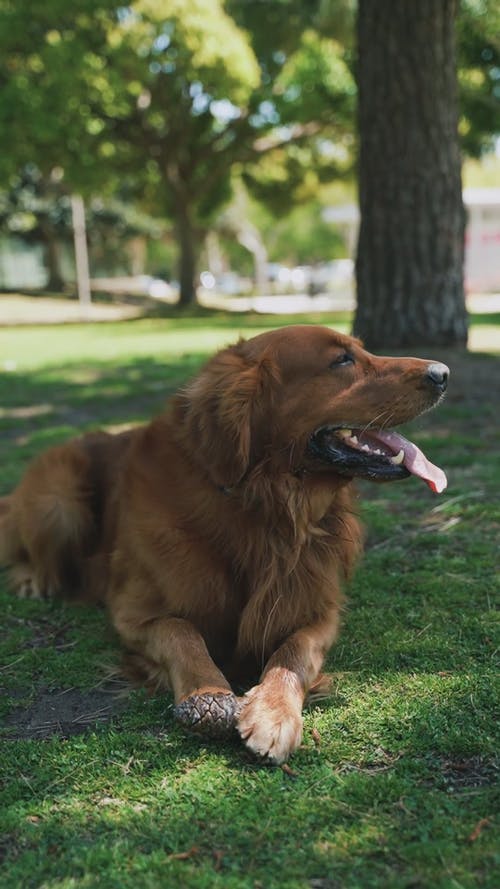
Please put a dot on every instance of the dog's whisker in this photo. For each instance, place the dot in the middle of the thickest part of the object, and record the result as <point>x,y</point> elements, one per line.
<point>373,421</point>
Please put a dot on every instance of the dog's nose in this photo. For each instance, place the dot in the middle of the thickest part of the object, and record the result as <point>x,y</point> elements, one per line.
<point>438,374</point>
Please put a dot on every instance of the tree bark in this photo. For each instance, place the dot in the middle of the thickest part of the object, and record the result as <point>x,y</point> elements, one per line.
<point>249,238</point>
<point>55,281</point>
<point>410,254</point>
<point>188,235</point>
<point>188,258</point>
<point>81,254</point>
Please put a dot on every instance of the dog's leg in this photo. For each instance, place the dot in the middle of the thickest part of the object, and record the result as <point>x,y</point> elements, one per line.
<point>204,701</point>
<point>22,578</point>
<point>47,523</point>
<point>270,721</point>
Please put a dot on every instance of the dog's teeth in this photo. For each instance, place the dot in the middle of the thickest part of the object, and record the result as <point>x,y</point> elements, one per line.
<point>378,451</point>
<point>365,447</point>
<point>345,433</point>
<point>354,439</point>
<point>398,458</point>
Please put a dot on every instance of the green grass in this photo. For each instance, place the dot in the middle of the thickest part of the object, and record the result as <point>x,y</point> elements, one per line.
<point>397,772</point>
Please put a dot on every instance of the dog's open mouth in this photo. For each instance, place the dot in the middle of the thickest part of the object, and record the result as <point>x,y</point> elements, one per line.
<point>374,454</point>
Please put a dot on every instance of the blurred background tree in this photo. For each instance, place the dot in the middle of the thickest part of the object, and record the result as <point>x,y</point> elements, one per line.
<point>171,94</point>
<point>181,108</point>
<point>36,209</point>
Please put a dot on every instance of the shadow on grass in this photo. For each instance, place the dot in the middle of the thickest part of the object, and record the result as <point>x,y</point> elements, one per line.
<point>43,408</point>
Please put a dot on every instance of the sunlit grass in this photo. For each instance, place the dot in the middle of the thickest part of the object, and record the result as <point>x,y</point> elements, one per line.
<point>162,338</point>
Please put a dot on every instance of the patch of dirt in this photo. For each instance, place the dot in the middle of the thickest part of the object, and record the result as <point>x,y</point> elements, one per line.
<point>45,632</point>
<point>458,774</point>
<point>66,712</point>
<point>455,775</point>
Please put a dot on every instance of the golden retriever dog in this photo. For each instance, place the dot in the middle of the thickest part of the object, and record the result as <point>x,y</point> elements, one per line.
<point>220,534</point>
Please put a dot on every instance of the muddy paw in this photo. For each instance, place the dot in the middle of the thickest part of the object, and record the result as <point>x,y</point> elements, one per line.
<point>212,714</point>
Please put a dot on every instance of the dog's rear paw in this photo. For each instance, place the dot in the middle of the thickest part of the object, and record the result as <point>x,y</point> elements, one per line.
<point>212,714</point>
<point>29,588</point>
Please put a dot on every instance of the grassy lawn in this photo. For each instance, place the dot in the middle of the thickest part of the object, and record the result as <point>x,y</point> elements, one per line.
<point>395,783</point>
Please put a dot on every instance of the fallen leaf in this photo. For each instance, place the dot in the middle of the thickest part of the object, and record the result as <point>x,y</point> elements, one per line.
<point>183,856</point>
<point>288,771</point>
<point>473,836</point>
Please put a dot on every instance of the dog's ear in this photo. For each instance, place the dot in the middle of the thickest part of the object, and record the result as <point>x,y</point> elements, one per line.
<point>220,408</point>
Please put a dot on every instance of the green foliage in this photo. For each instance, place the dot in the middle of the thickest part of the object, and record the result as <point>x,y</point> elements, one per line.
<point>33,202</point>
<point>37,209</point>
<point>49,56</point>
<point>174,96</point>
<point>318,73</point>
<point>478,32</point>
<point>177,97</point>
<point>302,237</point>
<point>314,85</point>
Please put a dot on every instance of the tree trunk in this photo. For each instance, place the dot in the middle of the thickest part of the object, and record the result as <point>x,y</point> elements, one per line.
<point>188,238</point>
<point>215,259</point>
<point>187,263</point>
<point>81,254</point>
<point>411,242</point>
<point>249,238</point>
<point>55,282</point>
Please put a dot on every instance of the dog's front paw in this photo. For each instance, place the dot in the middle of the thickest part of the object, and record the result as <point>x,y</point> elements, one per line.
<point>270,726</point>
<point>208,713</point>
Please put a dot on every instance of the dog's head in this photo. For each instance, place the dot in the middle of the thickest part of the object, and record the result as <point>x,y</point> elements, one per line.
<point>308,398</point>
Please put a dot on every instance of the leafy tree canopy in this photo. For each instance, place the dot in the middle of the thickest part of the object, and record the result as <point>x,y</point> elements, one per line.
<point>172,93</point>
<point>478,32</point>
<point>178,96</point>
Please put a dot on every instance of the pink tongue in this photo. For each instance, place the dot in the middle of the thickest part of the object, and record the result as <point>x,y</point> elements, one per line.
<point>415,461</point>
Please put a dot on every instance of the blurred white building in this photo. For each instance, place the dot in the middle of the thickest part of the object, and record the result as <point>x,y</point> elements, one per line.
<point>482,240</point>
<point>482,236</point>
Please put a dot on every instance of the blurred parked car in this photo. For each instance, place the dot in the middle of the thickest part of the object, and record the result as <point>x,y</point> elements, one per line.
<point>228,283</point>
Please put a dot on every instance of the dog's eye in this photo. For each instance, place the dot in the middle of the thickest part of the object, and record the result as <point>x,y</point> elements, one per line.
<point>342,360</point>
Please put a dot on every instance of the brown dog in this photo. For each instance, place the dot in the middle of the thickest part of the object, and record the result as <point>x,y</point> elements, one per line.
<point>219,534</point>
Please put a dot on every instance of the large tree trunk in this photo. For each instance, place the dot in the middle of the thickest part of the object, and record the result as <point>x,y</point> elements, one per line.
<point>411,241</point>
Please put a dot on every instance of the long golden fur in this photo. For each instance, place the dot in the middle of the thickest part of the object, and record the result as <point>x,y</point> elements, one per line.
<point>217,539</point>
